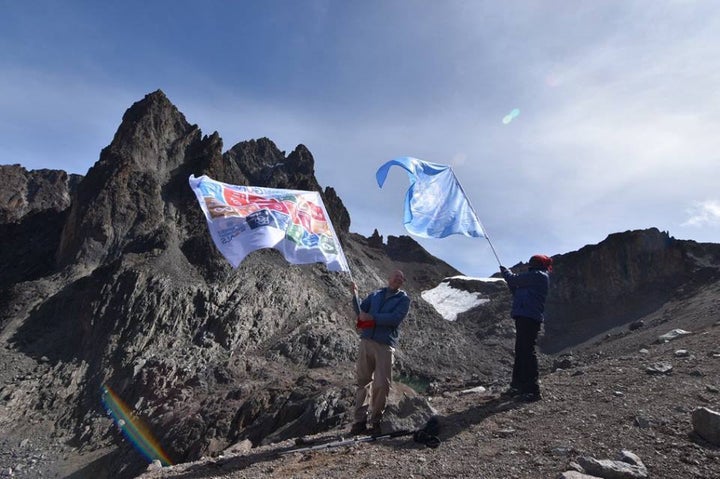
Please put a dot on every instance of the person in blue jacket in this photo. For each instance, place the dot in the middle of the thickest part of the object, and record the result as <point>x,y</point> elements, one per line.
<point>378,320</point>
<point>529,291</point>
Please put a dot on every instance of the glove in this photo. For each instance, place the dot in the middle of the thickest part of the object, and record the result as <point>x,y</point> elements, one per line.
<point>370,323</point>
<point>503,269</point>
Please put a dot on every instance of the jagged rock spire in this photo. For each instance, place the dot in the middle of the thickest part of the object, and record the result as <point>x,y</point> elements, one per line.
<point>121,198</point>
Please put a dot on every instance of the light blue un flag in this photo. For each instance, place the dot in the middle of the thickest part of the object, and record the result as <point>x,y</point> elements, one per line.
<point>435,205</point>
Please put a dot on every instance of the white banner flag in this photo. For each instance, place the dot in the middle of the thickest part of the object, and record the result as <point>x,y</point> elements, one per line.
<point>242,219</point>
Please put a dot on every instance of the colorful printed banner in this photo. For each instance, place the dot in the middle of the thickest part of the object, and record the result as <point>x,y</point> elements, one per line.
<point>243,219</point>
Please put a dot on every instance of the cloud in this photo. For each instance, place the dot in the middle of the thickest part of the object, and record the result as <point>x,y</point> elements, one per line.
<point>704,213</point>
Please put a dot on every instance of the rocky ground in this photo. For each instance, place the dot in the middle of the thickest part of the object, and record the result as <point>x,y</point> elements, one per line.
<point>603,400</point>
<point>596,407</point>
<point>624,390</point>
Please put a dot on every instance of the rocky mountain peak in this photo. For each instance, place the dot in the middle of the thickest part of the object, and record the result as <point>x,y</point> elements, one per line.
<point>263,164</point>
<point>260,163</point>
<point>376,240</point>
<point>148,136</point>
<point>121,198</point>
<point>405,248</point>
<point>301,161</point>
<point>337,211</point>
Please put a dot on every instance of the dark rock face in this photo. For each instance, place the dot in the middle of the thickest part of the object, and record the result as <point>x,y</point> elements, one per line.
<point>263,164</point>
<point>337,211</point>
<point>259,162</point>
<point>620,280</point>
<point>375,240</point>
<point>33,208</point>
<point>28,192</point>
<point>404,248</point>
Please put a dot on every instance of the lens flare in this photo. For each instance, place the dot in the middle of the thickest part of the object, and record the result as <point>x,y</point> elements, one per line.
<point>133,428</point>
<point>511,116</point>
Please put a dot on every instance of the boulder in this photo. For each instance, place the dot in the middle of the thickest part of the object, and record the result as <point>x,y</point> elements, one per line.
<point>674,334</point>
<point>628,466</point>
<point>706,423</point>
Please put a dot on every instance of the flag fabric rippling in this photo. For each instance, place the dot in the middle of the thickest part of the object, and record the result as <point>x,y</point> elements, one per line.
<point>242,219</point>
<point>435,204</point>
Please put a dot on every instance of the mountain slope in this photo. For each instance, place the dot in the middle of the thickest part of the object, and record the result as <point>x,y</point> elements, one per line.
<point>604,398</point>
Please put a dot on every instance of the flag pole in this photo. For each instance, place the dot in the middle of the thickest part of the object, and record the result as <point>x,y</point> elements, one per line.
<point>355,299</point>
<point>491,246</point>
<point>487,237</point>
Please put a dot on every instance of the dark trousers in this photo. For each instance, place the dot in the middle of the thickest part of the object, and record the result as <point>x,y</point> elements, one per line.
<point>525,369</point>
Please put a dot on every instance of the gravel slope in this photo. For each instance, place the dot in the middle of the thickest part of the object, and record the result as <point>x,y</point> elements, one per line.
<point>597,407</point>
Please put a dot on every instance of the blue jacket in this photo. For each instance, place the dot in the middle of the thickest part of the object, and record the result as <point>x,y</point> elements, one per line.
<point>529,293</point>
<point>388,314</point>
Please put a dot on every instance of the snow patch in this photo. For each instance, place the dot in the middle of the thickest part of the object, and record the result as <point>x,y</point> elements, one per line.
<point>471,278</point>
<point>450,302</point>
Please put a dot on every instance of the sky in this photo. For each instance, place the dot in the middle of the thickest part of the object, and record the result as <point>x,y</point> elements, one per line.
<point>564,121</point>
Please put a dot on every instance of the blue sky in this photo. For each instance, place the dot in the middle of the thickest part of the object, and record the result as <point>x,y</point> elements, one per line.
<point>618,102</point>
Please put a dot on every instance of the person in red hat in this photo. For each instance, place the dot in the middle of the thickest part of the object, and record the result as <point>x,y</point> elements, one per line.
<point>529,291</point>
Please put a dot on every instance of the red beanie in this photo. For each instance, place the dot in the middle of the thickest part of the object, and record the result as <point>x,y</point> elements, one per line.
<point>540,261</point>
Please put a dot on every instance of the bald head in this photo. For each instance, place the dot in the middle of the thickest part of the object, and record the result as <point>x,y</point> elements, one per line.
<point>396,280</point>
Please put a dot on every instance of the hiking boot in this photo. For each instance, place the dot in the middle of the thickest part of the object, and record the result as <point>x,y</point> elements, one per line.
<point>530,397</point>
<point>510,392</point>
<point>375,429</point>
<point>358,428</point>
